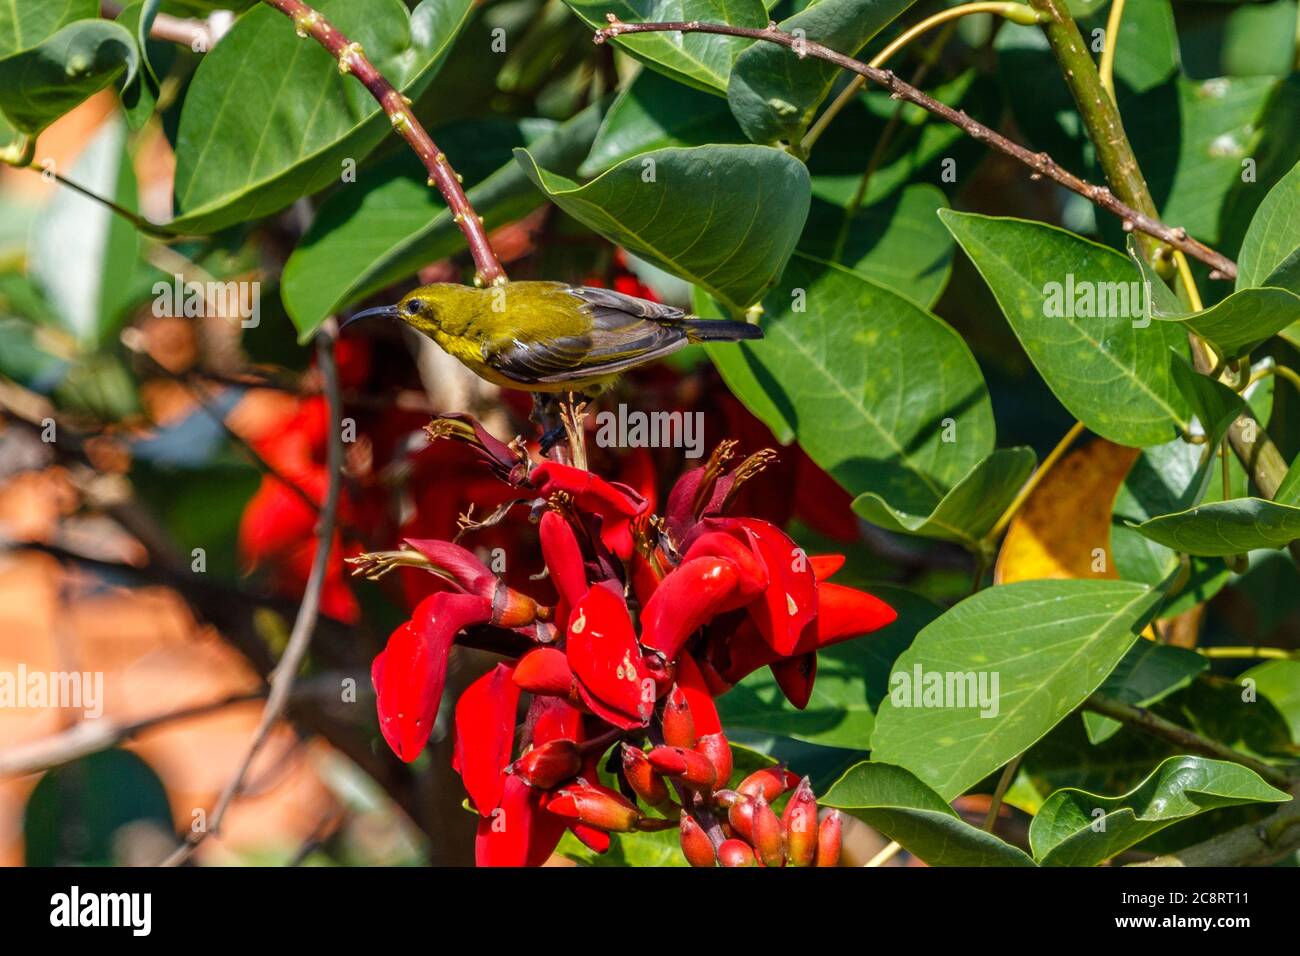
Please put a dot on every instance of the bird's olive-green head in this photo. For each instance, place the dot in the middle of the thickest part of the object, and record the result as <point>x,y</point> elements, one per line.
<point>428,309</point>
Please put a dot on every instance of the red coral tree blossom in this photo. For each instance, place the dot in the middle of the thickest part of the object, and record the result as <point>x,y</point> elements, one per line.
<point>654,616</point>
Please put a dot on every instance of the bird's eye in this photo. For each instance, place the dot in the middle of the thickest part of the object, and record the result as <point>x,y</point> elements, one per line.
<point>413,306</point>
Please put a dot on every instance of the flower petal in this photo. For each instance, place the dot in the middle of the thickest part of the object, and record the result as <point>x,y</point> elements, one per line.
<point>604,655</point>
<point>845,612</point>
<point>693,594</point>
<point>485,733</point>
<point>518,832</point>
<point>410,672</point>
<point>790,602</point>
<point>563,557</point>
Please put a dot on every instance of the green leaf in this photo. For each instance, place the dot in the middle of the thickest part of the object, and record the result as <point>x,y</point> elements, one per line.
<point>1148,672</point>
<point>898,242</point>
<point>1214,404</point>
<point>1074,307</point>
<point>700,60</point>
<point>654,112</point>
<point>1222,528</point>
<point>1288,492</point>
<point>969,510</point>
<point>23,26</point>
<point>388,224</point>
<point>1069,831</point>
<point>1164,478</point>
<point>1235,326</point>
<point>140,93</point>
<point>254,138</point>
<point>1270,253</point>
<point>774,93</point>
<point>1279,682</point>
<point>1190,138</point>
<point>80,252</point>
<point>1040,648</point>
<point>45,81</point>
<point>707,215</point>
<point>852,677</point>
<point>882,395</point>
<point>904,809</point>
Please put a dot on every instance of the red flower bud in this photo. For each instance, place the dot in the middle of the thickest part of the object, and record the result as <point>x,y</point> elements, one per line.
<point>828,840</point>
<point>846,612</point>
<point>696,845</point>
<point>769,841</point>
<point>718,750</point>
<point>645,781</point>
<point>678,727</point>
<point>546,671</point>
<point>596,806</point>
<point>800,824</point>
<point>771,782</point>
<point>485,732</point>
<point>741,816</point>
<point>549,764</point>
<point>603,652</point>
<point>410,672</point>
<point>734,853</point>
<point>687,599</point>
<point>691,768</point>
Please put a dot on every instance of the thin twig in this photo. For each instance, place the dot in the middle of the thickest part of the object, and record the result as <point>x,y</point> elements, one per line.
<point>884,856</point>
<point>1004,782</point>
<point>195,34</point>
<point>351,59</point>
<point>1023,494</point>
<point>1157,726</point>
<point>1041,163</point>
<point>300,637</point>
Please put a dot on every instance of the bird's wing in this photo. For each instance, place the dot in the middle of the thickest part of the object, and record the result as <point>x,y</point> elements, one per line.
<point>624,332</point>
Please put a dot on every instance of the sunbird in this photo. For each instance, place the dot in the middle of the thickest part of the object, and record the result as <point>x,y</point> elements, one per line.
<point>551,336</point>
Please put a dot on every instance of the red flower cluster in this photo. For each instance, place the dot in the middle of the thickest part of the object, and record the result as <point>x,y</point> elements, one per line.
<point>716,597</point>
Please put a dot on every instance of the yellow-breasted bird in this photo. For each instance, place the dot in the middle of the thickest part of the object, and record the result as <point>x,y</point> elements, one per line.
<point>550,336</point>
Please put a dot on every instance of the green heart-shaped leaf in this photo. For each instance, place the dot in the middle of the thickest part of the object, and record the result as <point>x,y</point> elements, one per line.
<point>996,672</point>
<point>1077,828</point>
<point>904,809</point>
<point>708,215</point>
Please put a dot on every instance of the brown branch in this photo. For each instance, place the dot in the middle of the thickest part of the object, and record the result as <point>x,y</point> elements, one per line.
<point>351,59</point>
<point>1181,737</point>
<point>92,736</point>
<point>1041,163</point>
<point>305,624</point>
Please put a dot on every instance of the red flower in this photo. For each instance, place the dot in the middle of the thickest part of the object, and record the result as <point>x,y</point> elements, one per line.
<point>716,597</point>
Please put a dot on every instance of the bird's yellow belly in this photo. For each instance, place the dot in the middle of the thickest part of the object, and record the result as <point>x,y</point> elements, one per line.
<point>470,355</point>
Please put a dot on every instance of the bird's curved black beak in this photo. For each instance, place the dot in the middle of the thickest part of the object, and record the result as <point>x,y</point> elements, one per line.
<point>387,311</point>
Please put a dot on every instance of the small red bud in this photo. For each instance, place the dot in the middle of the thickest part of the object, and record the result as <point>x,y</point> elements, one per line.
<point>696,845</point>
<point>679,728</point>
<point>595,806</point>
<point>725,798</point>
<point>691,768</point>
<point>716,748</point>
<point>769,842</point>
<point>546,671</point>
<point>592,839</point>
<point>771,782</point>
<point>645,781</point>
<point>828,840</point>
<point>741,817</point>
<point>800,824</point>
<point>736,853</point>
<point>549,764</point>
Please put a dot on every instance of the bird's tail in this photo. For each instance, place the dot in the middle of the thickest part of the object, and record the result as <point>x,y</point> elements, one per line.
<point>720,330</point>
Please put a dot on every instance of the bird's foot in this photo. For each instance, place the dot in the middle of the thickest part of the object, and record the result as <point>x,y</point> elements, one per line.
<point>551,438</point>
